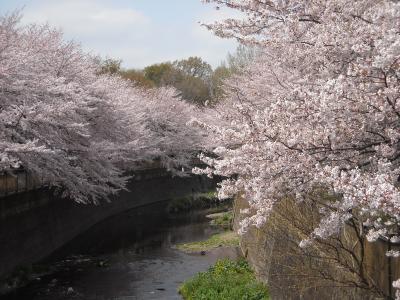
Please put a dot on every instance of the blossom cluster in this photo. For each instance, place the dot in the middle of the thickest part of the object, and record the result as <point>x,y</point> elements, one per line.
<point>78,129</point>
<point>319,107</point>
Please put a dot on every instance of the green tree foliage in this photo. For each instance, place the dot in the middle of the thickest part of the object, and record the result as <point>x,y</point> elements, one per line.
<point>138,77</point>
<point>217,79</point>
<point>194,67</point>
<point>194,78</point>
<point>110,66</point>
<point>193,89</point>
<point>161,74</point>
<point>191,77</point>
<point>113,66</point>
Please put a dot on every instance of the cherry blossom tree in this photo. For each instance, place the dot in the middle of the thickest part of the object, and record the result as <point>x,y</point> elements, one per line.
<point>77,128</point>
<point>319,108</point>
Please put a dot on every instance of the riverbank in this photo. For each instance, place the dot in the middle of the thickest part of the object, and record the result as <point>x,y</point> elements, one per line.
<point>221,220</point>
<point>223,239</point>
<point>228,279</point>
<point>130,255</point>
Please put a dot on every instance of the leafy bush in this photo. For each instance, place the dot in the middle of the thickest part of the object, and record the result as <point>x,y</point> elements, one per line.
<point>227,279</point>
<point>223,220</point>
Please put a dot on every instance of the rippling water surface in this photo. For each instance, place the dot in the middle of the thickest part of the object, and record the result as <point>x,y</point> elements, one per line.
<point>129,256</point>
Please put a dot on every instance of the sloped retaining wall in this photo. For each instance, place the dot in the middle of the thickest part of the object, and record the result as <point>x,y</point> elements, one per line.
<point>325,272</point>
<point>35,223</point>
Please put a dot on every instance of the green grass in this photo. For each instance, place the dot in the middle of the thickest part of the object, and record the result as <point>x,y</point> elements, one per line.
<point>224,239</point>
<point>226,280</point>
<point>209,195</point>
<point>222,219</point>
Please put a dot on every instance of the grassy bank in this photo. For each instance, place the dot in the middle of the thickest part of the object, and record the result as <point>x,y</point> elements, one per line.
<point>226,280</point>
<point>222,219</point>
<point>224,239</point>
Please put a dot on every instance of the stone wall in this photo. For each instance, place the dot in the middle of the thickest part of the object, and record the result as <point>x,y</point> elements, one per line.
<point>329,269</point>
<point>35,223</point>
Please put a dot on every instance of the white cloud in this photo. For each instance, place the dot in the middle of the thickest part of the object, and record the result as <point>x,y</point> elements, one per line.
<point>119,16</point>
<point>111,29</point>
<point>84,17</point>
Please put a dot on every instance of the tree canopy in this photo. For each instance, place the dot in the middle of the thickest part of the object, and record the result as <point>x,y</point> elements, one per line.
<point>75,122</point>
<point>319,108</point>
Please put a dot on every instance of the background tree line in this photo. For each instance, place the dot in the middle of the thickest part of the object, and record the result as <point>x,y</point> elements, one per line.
<point>194,78</point>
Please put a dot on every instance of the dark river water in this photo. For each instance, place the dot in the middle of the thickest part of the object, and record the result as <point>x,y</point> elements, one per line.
<point>127,257</point>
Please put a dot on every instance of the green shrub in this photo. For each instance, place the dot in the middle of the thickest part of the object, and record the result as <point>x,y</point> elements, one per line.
<point>224,220</point>
<point>226,280</point>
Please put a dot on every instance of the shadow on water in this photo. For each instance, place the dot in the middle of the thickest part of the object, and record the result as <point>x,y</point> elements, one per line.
<point>126,257</point>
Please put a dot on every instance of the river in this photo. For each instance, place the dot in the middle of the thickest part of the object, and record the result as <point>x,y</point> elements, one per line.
<point>126,257</point>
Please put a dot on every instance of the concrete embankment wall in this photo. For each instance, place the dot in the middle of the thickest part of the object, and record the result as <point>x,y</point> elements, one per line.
<point>35,223</point>
<point>326,270</point>
<point>18,181</point>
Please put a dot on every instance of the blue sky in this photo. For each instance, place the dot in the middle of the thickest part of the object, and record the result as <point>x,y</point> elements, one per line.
<point>140,32</point>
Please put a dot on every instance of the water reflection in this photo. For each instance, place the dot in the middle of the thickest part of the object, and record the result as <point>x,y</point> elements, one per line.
<point>129,256</point>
